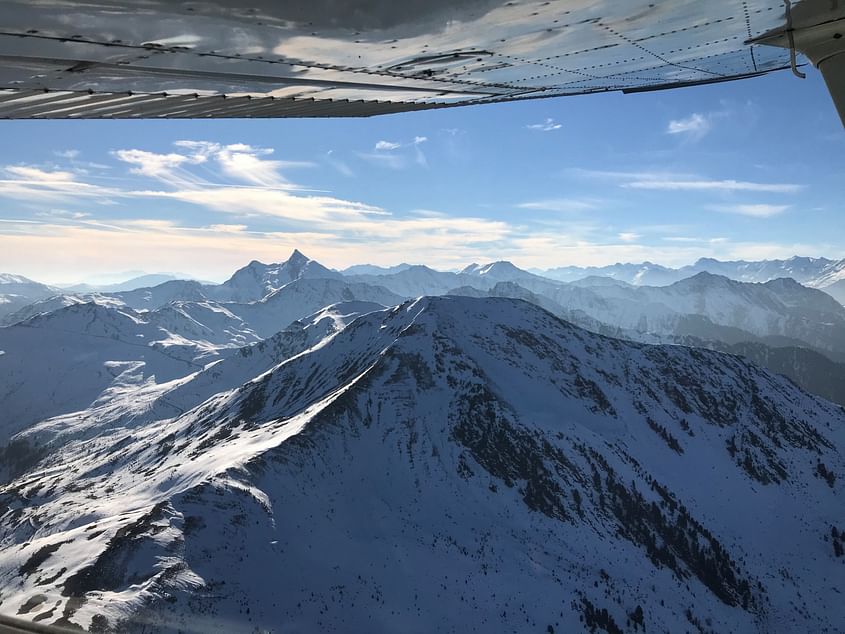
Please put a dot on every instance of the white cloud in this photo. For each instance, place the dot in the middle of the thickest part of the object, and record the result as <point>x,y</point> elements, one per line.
<point>67,154</point>
<point>263,214</point>
<point>63,213</point>
<point>222,228</point>
<point>37,175</point>
<point>728,185</point>
<point>757,210</point>
<point>629,236</point>
<point>678,181</point>
<point>164,167</point>
<point>33,184</point>
<point>558,204</point>
<point>385,155</point>
<point>688,239</point>
<point>696,125</point>
<point>547,126</point>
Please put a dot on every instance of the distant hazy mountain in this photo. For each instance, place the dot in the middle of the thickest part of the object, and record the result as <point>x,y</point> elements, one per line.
<point>836,291</point>
<point>417,280</point>
<point>501,271</point>
<point>443,465</point>
<point>778,309</point>
<point>372,269</point>
<point>141,281</point>
<point>813,272</point>
<point>645,273</point>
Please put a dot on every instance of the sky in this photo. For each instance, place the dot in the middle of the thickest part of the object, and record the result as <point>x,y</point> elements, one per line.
<point>750,169</point>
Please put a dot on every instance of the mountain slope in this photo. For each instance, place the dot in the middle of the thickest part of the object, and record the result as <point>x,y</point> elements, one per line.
<point>447,464</point>
<point>811,370</point>
<point>16,291</point>
<point>836,291</point>
<point>65,360</point>
<point>57,302</point>
<point>303,297</point>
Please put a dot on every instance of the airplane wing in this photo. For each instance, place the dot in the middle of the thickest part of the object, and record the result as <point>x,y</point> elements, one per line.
<point>79,59</point>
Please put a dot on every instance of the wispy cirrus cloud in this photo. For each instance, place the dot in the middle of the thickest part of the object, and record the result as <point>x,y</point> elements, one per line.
<point>46,184</point>
<point>210,207</point>
<point>559,204</point>
<point>385,153</point>
<point>755,210</point>
<point>338,164</point>
<point>548,125</point>
<point>238,181</point>
<point>679,181</point>
<point>704,184</point>
<point>694,126</point>
<point>629,236</point>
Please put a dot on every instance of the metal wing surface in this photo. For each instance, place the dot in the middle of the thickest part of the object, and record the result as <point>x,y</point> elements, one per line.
<point>263,58</point>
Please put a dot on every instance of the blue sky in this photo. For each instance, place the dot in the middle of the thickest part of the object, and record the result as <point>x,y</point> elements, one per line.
<point>749,169</point>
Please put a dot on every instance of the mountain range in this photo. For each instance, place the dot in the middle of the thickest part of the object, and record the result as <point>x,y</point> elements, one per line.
<point>443,463</point>
<point>813,272</point>
<point>409,449</point>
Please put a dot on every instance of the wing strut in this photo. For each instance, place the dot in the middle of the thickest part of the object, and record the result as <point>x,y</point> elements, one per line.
<point>815,28</point>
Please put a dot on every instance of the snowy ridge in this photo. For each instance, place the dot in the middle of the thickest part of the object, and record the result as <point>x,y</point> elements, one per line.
<point>17,291</point>
<point>447,463</point>
<point>62,361</point>
<point>812,272</point>
<point>707,306</point>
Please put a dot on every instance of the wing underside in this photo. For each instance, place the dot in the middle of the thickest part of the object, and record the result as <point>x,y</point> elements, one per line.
<point>224,58</point>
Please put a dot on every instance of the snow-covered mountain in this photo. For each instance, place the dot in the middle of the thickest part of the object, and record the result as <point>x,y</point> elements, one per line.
<point>57,302</point>
<point>715,307</point>
<point>446,464</point>
<point>501,271</point>
<point>418,280</point>
<point>17,291</point>
<point>150,298</point>
<point>65,360</point>
<point>129,404</point>
<point>813,272</point>
<point>256,280</point>
<point>304,296</point>
<point>813,371</point>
